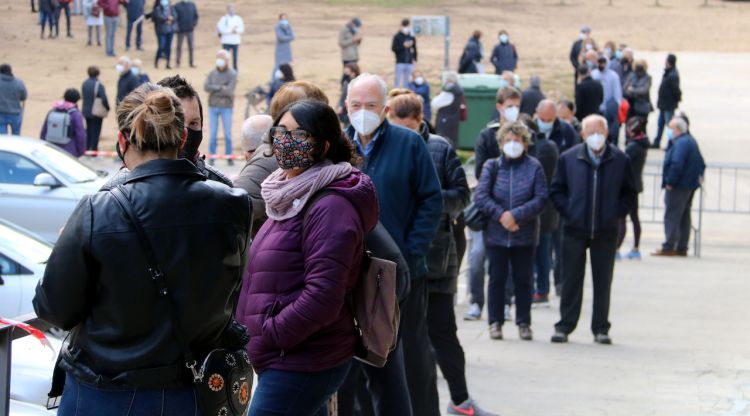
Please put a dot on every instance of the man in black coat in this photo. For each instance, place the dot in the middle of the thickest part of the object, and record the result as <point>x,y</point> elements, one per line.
<point>593,188</point>
<point>670,96</point>
<point>531,96</point>
<point>187,20</point>
<point>553,128</point>
<point>589,94</point>
<point>127,81</point>
<point>575,52</point>
<point>404,46</point>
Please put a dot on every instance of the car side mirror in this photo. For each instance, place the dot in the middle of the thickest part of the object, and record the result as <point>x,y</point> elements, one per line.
<point>45,179</point>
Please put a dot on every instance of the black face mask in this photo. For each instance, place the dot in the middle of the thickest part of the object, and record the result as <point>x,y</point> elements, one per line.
<point>190,150</point>
<point>120,153</point>
<point>602,68</point>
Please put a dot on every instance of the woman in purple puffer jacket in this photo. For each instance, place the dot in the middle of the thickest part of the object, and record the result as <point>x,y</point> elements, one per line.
<point>304,264</point>
<point>511,193</point>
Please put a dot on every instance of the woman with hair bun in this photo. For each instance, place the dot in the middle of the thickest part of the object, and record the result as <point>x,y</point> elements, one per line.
<point>124,356</point>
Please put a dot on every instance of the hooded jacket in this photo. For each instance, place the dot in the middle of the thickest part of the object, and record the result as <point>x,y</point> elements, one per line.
<point>299,275</point>
<point>77,133</point>
<point>97,281</point>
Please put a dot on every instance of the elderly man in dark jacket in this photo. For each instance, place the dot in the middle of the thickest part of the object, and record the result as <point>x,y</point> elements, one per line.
<point>127,81</point>
<point>670,96</point>
<point>593,188</point>
<point>410,211</point>
<point>553,128</point>
<point>682,175</point>
<point>187,20</point>
<point>589,94</point>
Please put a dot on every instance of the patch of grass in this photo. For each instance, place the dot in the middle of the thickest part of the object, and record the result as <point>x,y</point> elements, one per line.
<point>380,3</point>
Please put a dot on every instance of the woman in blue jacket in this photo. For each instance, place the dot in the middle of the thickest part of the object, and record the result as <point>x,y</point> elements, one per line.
<point>164,18</point>
<point>511,193</point>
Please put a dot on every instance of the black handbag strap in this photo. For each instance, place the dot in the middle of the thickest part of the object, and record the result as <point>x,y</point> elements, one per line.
<point>157,275</point>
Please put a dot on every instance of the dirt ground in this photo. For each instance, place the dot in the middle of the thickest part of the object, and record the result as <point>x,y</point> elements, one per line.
<point>542,31</point>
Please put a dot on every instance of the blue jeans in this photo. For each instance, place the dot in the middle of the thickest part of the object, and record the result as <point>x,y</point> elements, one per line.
<point>47,19</point>
<point>165,47</point>
<point>81,399</point>
<point>12,120</point>
<point>403,75</point>
<point>543,263</point>
<point>476,268</point>
<point>138,32</point>
<point>110,27</point>
<point>664,118</point>
<point>214,113</point>
<point>296,393</point>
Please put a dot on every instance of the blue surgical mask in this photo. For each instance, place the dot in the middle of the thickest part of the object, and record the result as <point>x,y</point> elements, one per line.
<point>165,3</point>
<point>503,38</point>
<point>135,71</point>
<point>284,22</point>
<point>670,134</point>
<point>545,127</point>
<point>619,55</point>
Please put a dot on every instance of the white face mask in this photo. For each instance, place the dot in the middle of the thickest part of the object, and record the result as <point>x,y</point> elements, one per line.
<point>119,68</point>
<point>511,114</point>
<point>596,142</point>
<point>513,150</point>
<point>419,80</point>
<point>589,46</point>
<point>364,122</point>
<point>405,31</point>
<point>221,63</point>
<point>503,38</point>
<point>278,74</point>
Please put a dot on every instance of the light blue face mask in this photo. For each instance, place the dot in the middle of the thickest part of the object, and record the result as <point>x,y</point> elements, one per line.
<point>503,38</point>
<point>545,127</point>
<point>284,22</point>
<point>165,3</point>
<point>619,54</point>
<point>670,134</point>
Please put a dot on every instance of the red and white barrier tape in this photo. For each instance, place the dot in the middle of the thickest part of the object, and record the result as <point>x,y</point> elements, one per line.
<point>39,335</point>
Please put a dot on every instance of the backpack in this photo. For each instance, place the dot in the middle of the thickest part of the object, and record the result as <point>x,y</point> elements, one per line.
<point>373,302</point>
<point>58,126</point>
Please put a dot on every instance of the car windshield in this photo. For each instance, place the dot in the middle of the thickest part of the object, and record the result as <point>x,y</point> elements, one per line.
<point>35,250</point>
<point>63,165</point>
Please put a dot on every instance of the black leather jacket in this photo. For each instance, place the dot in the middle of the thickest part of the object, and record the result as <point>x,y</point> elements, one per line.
<point>96,282</point>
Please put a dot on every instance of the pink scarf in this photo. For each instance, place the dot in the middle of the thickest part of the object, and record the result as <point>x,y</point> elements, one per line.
<point>285,198</point>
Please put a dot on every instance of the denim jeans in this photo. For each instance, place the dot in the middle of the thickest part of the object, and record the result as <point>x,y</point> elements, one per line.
<point>543,263</point>
<point>110,27</point>
<point>234,49</point>
<point>165,47</point>
<point>296,393</point>
<point>47,19</point>
<point>664,118</point>
<point>476,268</point>
<point>81,399</point>
<point>138,33</point>
<point>12,120</point>
<point>214,114</point>
<point>403,75</point>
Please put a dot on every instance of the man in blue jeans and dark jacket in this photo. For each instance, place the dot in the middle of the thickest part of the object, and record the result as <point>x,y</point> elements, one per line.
<point>593,188</point>
<point>135,11</point>
<point>411,204</point>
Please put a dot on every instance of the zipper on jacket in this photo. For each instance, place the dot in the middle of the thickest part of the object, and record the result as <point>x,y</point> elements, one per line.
<point>281,355</point>
<point>378,284</point>
<point>510,201</point>
<point>593,203</point>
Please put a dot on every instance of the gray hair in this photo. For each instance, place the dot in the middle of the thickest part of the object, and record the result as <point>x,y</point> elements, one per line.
<point>382,85</point>
<point>450,76</point>
<point>254,131</point>
<point>594,118</point>
<point>681,124</point>
<point>535,81</point>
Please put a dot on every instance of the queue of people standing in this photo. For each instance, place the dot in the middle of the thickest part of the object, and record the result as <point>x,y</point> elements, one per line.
<point>313,193</point>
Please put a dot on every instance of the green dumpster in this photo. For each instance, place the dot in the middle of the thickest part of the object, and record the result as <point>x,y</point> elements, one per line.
<point>479,91</point>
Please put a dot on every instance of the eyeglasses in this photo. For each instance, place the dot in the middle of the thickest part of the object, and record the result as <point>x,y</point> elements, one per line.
<point>278,133</point>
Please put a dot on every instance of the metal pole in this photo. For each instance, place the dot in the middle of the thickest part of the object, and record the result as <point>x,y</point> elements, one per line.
<point>5,351</point>
<point>447,43</point>
<point>699,232</point>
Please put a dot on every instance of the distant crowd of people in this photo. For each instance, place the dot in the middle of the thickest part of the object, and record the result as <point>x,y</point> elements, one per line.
<point>279,249</point>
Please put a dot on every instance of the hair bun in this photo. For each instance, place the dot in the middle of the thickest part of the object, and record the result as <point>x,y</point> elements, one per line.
<point>159,108</point>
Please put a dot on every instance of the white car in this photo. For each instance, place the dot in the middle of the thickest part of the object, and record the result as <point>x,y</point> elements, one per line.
<point>23,258</point>
<point>40,185</point>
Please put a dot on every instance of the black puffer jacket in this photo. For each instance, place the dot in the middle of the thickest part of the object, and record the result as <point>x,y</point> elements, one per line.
<point>545,151</point>
<point>637,150</point>
<point>97,284</point>
<point>442,259</point>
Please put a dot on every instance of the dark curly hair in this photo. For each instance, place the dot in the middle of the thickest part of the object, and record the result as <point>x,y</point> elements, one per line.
<point>182,89</point>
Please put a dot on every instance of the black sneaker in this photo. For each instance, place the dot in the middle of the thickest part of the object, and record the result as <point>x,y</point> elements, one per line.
<point>603,339</point>
<point>559,337</point>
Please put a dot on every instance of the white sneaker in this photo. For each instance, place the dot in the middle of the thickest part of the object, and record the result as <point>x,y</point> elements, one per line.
<point>474,313</point>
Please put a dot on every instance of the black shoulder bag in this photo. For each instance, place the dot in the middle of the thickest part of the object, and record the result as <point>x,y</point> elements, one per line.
<point>224,379</point>
<point>473,216</point>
